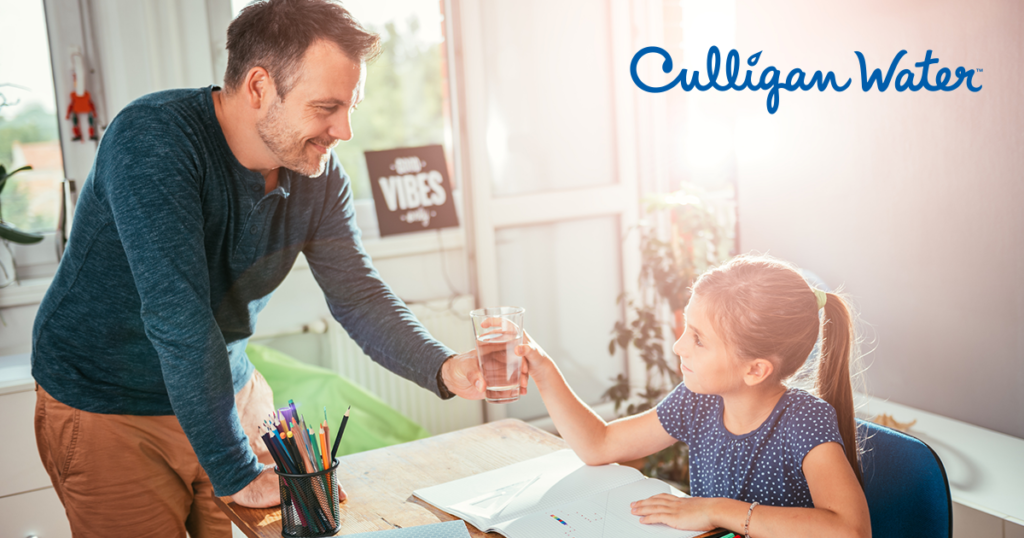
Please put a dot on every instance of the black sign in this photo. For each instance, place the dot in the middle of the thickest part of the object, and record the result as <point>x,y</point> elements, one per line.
<point>411,189</point>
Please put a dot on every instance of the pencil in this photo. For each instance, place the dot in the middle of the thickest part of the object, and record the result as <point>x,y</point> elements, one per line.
<point>314,443</point>
<point>327,440</point>
<point>323,449</point>
<point>341,431</point>
<point>286,457</point>
<point>302,443</point>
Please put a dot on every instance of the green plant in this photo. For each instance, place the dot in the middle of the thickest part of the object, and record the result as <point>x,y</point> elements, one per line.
<point>696,233</point>
<point>8,232</point>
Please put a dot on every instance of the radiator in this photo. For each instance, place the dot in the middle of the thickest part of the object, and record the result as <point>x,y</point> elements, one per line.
<point>448,322</point>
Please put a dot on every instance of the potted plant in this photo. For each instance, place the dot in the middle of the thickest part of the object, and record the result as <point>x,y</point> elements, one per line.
<point>691,232</point>
<point>9,233</point>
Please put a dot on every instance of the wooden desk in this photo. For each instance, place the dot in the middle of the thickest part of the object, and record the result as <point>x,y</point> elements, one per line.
<point>379,483</point>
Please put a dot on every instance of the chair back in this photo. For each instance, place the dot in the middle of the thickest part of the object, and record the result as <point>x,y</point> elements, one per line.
<point>905,485</point>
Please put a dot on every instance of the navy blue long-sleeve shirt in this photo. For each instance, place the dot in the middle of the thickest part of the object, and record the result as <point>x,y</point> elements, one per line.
<point>174,251</point>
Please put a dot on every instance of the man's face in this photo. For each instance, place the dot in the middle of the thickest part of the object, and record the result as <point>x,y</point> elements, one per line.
<point>316,114</point>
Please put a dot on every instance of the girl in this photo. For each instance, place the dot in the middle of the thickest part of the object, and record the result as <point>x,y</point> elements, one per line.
<point>766,459</point>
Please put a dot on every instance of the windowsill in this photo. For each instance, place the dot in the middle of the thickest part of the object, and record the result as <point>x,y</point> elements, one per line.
<point>25,292</point>
<point>16,373</point>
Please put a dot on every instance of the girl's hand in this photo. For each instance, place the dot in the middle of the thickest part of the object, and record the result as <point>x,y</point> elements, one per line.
<point>684,513</point>
<point>535,360</point>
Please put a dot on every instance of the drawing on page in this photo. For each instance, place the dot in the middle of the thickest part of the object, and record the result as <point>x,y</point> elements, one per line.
<point>490,504</point>
<point>604,514</point>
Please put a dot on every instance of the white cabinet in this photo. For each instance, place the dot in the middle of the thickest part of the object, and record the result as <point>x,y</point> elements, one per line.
<point>22,470</point>
<point>970,523</point>
<point>28,504</point>
<point>36,513</point>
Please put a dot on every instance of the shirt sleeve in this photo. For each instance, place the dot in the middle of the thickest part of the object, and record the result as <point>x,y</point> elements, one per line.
<point>677,412</point>
<point>811,424</point>
<point>147,171</point>
<point>360,300</point>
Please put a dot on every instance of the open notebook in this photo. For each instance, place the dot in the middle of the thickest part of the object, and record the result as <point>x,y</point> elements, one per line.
<point>554,496</point>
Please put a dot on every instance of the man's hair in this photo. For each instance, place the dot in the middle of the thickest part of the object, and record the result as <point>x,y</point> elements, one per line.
<point>275,34</point>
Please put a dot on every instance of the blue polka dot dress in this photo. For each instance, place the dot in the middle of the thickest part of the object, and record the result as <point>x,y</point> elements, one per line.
<point>765,465</point>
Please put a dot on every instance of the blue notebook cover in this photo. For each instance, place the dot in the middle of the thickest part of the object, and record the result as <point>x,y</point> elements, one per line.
<point>448,529</point>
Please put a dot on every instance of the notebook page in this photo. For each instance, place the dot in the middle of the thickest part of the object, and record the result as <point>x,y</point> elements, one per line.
<point>489,498</point>
<point>604,514</point>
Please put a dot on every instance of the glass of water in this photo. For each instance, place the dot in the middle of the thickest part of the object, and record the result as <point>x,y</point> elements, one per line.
<point>498,331</point>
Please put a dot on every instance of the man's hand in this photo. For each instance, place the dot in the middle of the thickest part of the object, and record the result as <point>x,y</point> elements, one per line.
<point>461,374</point>
<point>265,491</point>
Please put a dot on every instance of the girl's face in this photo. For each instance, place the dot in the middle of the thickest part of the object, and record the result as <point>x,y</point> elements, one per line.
<point>707,364</point>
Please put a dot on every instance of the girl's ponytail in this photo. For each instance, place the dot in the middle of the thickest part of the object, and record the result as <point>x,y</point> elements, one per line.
<point>833,383</point>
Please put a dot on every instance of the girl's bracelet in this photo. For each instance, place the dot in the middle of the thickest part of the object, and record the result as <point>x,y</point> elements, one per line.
<point>746,525</point>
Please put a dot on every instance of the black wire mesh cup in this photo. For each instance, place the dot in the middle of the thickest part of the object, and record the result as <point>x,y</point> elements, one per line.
<point>310,503</point>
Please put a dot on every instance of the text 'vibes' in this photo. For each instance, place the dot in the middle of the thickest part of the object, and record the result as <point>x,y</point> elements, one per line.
<point>413,189</point>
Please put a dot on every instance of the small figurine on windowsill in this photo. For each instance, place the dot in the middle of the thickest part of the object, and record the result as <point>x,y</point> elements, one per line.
<point>81,101</point>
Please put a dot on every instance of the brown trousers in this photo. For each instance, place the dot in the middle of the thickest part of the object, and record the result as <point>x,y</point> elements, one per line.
<point>126,475</point>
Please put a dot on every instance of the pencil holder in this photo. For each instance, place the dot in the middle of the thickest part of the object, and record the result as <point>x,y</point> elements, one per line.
<point>309,503</point>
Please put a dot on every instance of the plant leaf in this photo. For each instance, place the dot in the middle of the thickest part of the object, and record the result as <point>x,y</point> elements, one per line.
<point>4,175</point>
<point>11,233</point>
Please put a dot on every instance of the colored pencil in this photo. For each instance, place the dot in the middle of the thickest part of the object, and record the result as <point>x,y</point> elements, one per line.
<point>323,449</point>
<point>341,431</point>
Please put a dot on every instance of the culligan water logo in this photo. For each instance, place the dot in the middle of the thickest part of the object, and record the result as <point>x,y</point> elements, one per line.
<point>771,79</point>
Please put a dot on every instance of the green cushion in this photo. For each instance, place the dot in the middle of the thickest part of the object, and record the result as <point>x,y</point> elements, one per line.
<point>371,424</point>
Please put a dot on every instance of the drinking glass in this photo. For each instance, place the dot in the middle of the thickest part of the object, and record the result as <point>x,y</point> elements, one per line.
<point>498,331</point>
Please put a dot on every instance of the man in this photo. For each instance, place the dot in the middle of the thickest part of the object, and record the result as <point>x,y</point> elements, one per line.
<point>196,207</point>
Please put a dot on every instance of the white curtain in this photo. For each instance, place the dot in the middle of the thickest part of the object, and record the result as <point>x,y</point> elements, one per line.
<point>150,45</point>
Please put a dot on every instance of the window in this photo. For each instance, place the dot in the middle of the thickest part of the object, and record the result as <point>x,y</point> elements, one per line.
<point>406,101</point>
<point>29,135</point>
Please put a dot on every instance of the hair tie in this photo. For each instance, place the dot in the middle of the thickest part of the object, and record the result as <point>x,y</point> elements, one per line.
<point>821,296</point>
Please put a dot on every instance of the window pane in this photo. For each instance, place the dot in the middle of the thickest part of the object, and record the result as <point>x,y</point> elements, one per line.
<point>566,274</point>
<point>406,95</point>
<point>28,120</point>
<point>550,124</point>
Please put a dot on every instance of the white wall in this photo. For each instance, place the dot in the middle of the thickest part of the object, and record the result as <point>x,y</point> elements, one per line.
<point>909,200</point>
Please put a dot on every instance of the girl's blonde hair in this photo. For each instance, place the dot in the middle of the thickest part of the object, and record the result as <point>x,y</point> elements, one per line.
<point>763,308</point>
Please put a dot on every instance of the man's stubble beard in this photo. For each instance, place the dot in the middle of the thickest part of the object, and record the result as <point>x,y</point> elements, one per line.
<point>287,144</point>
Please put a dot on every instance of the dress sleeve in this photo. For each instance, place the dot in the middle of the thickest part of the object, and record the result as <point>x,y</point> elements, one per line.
<point>809,425</point>
<point>364,304</point>
<point>147,172</point>
<point>677,412</point>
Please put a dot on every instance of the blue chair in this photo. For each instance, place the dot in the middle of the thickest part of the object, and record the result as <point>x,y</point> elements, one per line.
<point>905,485</point>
